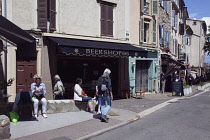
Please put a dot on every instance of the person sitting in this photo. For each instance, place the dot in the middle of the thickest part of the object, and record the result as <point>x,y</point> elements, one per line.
<point>58,88</point>
<point>39,91</point>
<point>79,95</point>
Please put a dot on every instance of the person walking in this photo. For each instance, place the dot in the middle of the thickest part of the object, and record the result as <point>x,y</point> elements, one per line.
<point>105,93</point>
<point>38,90</point>
<point>59,89</point>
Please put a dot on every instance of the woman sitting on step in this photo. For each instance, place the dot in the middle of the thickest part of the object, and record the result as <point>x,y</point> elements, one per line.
<point>79,95</point>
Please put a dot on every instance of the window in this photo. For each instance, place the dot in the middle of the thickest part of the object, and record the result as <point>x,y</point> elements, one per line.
<point>46,15</point>
<point>194,23</point>
<point>174,19</point>
<point>107,19</point>
<point>147,30</point>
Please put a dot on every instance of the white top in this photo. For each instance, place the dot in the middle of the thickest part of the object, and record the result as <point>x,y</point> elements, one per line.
<point>77,90</point>
<point>42,87</point>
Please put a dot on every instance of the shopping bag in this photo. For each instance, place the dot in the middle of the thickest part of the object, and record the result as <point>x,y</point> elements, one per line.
<point>14,116</point>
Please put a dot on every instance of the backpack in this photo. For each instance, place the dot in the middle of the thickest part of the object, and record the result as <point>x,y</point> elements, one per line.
<point>102,84</point>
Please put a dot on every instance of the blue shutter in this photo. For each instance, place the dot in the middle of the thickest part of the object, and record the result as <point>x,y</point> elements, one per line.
<point>160,34</point>
<point>167,6</point>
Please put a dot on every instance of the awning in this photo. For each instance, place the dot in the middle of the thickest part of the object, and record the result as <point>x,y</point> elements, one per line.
<point>80,47</point>
<point>172,65</point>
<point>25,42</point>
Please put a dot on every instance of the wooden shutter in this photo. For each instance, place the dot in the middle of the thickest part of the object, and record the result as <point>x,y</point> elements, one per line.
<point>106,20</point>
<point>52,15</point>
<point>176,22</point>
<point>181,28</point>
<point>141,30</point>
<point>154,32</point>
<point>42,14</point>
<point>154,7</point>
<point>142,6</point>
<point>172,17</point>
<point>110,20</point>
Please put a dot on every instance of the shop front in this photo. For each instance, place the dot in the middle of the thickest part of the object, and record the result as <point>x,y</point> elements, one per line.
<point>144,72</point>
<point>170,68</point>
<point>87,59</point>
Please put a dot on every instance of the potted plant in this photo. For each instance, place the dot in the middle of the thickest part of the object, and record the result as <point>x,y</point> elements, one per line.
<point>201,86</point>
<point>186,90</point>
<point>4,85</point>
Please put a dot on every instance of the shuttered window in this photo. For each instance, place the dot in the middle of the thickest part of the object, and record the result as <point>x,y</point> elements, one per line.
<point>107,19</point>
<point>52,11</point>
<point>46,14</point>
<point>161,34</point>
<point>42,14</point>
<point>154,31</point>
<point>154,7</point>
<point>141,30</point>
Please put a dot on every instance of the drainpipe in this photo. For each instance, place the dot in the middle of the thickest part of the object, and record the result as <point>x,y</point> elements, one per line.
<point>5,45</point>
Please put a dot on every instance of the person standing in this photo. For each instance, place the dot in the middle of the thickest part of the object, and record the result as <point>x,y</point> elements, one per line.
<point>58,88</point>
<point>38,90</point>
<point>190,80</point>
<point>105,93</point>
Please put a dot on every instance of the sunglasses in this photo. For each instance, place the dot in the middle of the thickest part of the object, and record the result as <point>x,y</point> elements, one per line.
<point>38,78</point>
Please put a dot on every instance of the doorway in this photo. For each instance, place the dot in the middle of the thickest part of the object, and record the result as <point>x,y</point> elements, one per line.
<point>26,69</point>
<point>142,74</point>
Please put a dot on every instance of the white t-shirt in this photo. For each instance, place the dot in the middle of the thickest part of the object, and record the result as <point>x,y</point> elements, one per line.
<point>77,90</point>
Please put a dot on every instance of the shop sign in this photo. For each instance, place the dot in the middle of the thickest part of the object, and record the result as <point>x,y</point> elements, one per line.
<point>101,52</point>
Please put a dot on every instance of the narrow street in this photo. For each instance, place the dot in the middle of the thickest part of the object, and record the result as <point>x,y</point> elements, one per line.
<point>185,119</point>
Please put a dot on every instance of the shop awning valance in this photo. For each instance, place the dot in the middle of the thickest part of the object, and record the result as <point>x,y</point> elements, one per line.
<point>172,65</point>
<point>81,47</point>
<point>24,41</point>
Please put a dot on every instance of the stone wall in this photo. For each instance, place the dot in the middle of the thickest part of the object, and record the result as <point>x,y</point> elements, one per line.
<point>4,127</point>
<point>61,106</point>
<point>165,18</point>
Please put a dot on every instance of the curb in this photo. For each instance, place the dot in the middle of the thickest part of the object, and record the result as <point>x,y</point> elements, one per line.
<point>108,129</point>
<point>137,117</point>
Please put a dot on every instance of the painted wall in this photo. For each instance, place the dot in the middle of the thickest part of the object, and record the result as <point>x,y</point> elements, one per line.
<point>134,21</point>
<point>197,43</point>
<point>73,17</point>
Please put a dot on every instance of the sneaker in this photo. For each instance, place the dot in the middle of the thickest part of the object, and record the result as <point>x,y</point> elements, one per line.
<point>104,119</point>
<point>36,117</point>
<point>93,112</point>
<point>99,112</point>
<point>44,115</point>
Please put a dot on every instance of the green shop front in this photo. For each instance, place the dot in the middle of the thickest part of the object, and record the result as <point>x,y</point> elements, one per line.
<point>144,72</point>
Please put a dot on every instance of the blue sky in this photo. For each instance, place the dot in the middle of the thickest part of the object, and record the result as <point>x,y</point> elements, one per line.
<point>199,9</point>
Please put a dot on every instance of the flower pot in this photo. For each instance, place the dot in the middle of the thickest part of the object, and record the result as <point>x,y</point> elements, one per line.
<point>186,91</point>
<point>190,89</point>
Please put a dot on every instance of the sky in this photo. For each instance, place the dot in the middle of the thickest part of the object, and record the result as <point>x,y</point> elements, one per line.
<point>199,9</point>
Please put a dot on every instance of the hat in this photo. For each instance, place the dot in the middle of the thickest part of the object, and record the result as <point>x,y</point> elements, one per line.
<point>36,76</point>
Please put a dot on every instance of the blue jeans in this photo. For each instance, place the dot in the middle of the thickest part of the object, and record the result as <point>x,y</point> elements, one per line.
<point>86,99</point>
<point>105,108</point>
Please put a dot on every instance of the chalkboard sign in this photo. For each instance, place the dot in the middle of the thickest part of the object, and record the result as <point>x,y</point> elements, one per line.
<point>177,88</point>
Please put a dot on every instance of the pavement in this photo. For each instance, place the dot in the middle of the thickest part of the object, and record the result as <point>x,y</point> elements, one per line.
<point>83,125</point>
